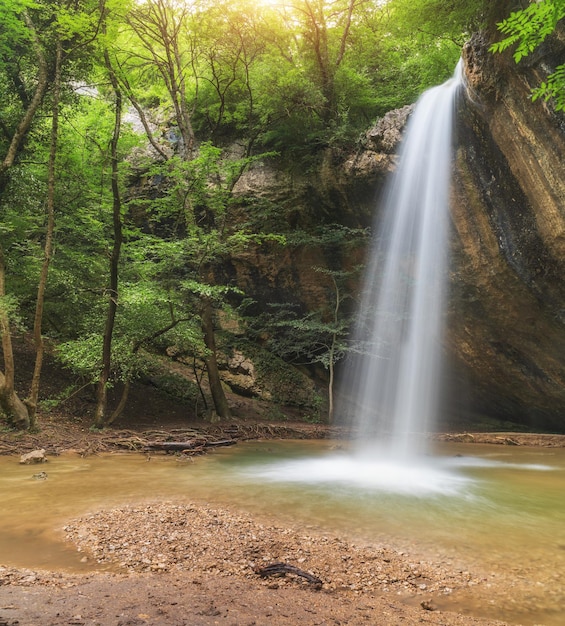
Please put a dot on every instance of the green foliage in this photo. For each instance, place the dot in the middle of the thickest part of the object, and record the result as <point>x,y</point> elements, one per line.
<point>329,236</point>
<point>317,414</point>
<point>10,306</point>
<point>553,87</point>
<point>314,337</point>
<point>300,75</point>
<point>419,46</point>
<point>14,32</point>
<point>437,19</point>
<point>308,339</point>
<point>82,356</point>
<point>526,30</point>
<point>529,27</point>
<point>214,292</point>
<point>295,77</point>
<point>58,400</point>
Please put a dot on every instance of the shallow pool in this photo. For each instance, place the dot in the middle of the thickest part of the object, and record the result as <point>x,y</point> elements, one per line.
<point>495,509</point>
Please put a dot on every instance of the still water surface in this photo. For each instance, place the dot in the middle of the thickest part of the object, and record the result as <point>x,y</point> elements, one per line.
<point>498,509</point>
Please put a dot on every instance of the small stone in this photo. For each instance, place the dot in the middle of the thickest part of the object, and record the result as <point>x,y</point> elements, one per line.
<point>36,456</point>
<point>428,605</point>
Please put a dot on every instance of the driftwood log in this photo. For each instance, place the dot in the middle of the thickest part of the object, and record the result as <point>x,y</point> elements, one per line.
<point>181,446</point>
<point>280,569</point>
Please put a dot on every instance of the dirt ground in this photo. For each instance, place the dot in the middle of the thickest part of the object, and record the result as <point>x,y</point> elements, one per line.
<point>174,599</point>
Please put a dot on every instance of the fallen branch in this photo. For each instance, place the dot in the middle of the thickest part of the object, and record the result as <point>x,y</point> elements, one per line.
<point>280,569</point>
<point>181,446</point>
<point>222,442</point>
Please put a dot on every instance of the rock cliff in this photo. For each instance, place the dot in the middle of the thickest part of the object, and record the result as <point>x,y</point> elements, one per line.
<point>508,279</point>
<point>506,339</point>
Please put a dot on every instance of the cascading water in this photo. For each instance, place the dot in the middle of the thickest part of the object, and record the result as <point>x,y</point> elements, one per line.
<point>392,386</point>
<point>390,390</point>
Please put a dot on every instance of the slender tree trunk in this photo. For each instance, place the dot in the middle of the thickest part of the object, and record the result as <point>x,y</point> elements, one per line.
<point>121,404</point>
<point>10,403</point>
<point>184,117</point>
<point>332,354</point>
<point>216,389</point>
<point>48,248</point>
<point>331,369</point>
<point>199,383</point>
<point>159,27</point>
<point>102,391</point>
<point>127,386</point>
<point>40,89</point>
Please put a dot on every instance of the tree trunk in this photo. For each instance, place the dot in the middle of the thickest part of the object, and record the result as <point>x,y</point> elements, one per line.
<point>13,407</point>
<point>48,248</point>
<point>37,99</point>
<point>127,385</point>
<point>121,404</point>
<point>159,27</point>
<point>102,395</point>
<point>331,370</point>
<point>332,354</point>
<point>216,389</point>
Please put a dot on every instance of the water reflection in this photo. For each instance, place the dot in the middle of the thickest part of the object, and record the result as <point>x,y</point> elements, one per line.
<point>34,511</point>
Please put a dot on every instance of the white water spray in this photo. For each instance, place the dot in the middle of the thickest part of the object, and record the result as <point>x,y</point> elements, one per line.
<point>393,384</point>
<point>390,390</point>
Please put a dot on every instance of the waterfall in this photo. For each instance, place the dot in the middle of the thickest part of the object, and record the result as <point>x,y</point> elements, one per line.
<point>392,382</point>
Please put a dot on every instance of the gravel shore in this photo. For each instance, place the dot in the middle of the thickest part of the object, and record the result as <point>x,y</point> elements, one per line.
<point>189,564</point>
<point>164,537</point>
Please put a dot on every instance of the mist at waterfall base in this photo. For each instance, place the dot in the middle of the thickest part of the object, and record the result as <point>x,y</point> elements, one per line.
<point>392,382</point>
<point>392,376</point>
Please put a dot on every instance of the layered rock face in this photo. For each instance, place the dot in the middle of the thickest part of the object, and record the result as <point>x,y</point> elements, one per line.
<point>506,336</point>
<point>507,317</point>
<point>339,191</point>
